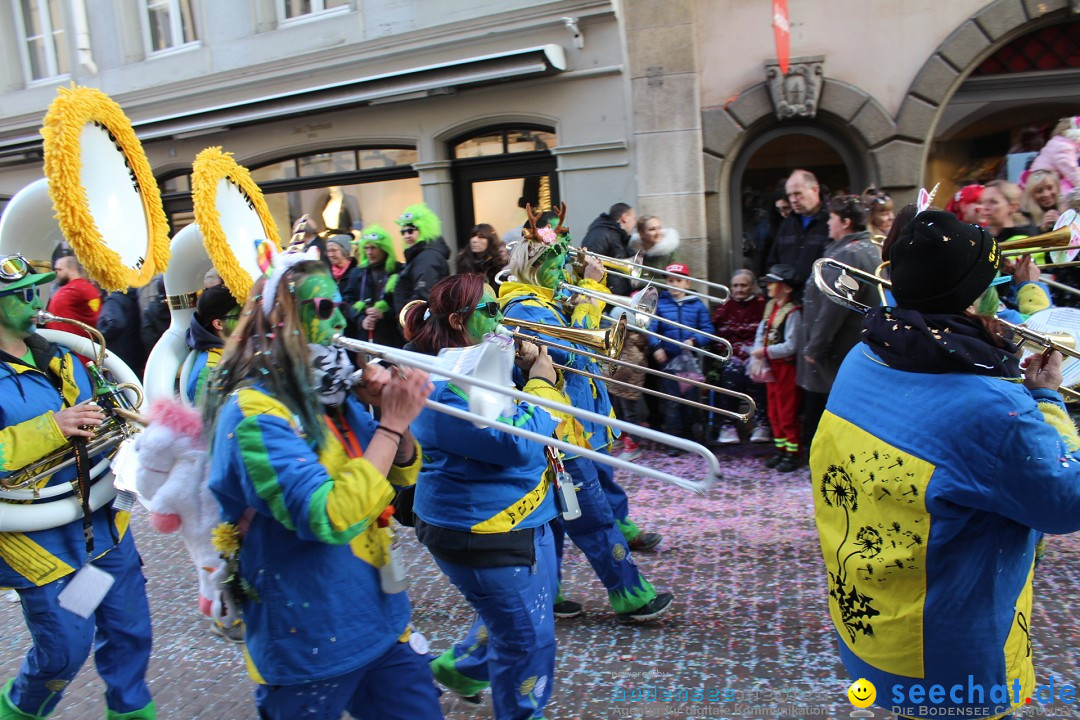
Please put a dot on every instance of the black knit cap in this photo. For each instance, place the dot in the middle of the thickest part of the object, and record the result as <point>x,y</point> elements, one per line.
<point>215,303</point>
<point>941,264</point>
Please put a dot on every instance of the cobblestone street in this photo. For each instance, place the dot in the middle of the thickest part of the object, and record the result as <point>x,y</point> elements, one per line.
<point>751,616</point>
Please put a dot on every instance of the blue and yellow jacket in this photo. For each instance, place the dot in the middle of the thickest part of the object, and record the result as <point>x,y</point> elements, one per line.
<point>28,432</point>
<point>312,552</point>
<point>535,304</point>
<point>481,480</point>
<point>201,370</point>
<point>928,499</point>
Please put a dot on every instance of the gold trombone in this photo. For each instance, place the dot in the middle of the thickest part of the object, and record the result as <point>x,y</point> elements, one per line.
<point>846,286</point>
<point>1064,240</point>
<point>501,386</point>
<point>634,269</point>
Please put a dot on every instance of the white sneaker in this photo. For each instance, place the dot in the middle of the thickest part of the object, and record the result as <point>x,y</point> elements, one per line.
<point>728,435</point>
<point>761,434</point>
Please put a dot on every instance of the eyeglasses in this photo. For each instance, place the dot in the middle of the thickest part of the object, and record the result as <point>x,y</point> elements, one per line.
<point>324,307</point>
<point>28,294</point>
<point>491,308</point>
<point>13,267</point>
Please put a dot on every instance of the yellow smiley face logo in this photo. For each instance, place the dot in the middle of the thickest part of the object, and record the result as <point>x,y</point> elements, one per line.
<point>862,693</point>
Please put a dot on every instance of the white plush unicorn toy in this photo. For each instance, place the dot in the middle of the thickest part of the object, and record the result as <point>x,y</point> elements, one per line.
<point>172,482</point>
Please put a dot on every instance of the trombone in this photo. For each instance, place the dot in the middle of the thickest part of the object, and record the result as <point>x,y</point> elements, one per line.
<point>599,339</point>
<point>634,269</point>
<point>846,286</point>
<point>639,311</point>
<point>431,365</point>
<point>1064,240</point>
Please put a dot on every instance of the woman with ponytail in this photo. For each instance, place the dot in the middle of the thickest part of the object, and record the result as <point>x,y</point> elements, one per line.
<point>306,480</point>
<point>484,504</point>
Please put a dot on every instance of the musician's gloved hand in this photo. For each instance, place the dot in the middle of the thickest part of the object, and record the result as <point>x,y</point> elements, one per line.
<point>1042,370</point>
<point>403,398</point>
<point>79,420</point>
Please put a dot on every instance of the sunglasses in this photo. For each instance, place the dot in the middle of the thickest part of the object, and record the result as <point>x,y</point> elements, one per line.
<point>28,294</point>
<point>324,307</point>
<point>409,231</point>
<point>13,267</point>
<point>490,308</point>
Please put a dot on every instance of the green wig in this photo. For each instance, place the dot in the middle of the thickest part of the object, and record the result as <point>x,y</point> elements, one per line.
<point>421,218</point>
<point>377,236</point>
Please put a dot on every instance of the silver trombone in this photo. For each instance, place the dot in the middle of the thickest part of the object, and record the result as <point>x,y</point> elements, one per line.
<point>846,286</point>
<point>634,269</point>
<point>431,365</point>
<point>644,303</point>
<point>638,311</point>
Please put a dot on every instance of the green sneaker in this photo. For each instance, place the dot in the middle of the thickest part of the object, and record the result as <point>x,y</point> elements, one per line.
<point>8,711</point>
<point>146,713</point>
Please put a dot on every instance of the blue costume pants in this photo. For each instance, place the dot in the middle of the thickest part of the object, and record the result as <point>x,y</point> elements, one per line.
<point>511,644</point>
<point>597,535</point>
<point>119,631</point>
<point>616,496</point>
<point>395,686</point>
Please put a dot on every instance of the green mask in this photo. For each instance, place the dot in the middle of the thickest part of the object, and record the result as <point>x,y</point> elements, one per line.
<point>316,329</point>
<point>17,315</point>
<point>480,322</point>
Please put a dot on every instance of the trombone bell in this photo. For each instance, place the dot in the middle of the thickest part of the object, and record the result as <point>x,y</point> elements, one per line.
<point>607,341</point>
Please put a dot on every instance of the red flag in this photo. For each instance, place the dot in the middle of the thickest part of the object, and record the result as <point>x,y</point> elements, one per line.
<point>782,31</point>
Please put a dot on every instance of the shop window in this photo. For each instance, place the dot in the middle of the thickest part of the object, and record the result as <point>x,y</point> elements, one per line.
<point>293,9</point>
<point>41,35</point>
<point>168,24</point>
<point>501,142</point>
<point>1051,48</point>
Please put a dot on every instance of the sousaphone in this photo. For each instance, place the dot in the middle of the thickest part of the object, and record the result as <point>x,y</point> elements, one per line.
<point>231,221</point>
<point>100,195</point>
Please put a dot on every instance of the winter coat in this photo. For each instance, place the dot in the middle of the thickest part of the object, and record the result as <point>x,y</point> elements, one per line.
<point>28,432</point>
<point>606,237</point>
<point>829,330</point>
<point>372,286</point>
<point>1061,155</point>
<point>737,321</point>
<point>209,347</point>
<point>687,310</point>
<point>800,247</point>
<point>120,323</point>
<point>425,264</point>
<point>929,488</point>
<point>156,318</point>
<point>660,255</point>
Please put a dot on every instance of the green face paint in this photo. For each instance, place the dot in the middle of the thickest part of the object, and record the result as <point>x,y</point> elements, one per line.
<point>552,270</point>
<point>17,315</point>
<point>316,329</point>
<point>480,323</point>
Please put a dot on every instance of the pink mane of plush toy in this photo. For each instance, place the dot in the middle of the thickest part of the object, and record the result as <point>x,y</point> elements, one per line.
<point>181,419</point>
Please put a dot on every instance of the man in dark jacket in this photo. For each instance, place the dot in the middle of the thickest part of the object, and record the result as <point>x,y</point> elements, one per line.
<point>803,235</point>
<point>609,235</point>
<point>426,255</point>
<point>120,325</point>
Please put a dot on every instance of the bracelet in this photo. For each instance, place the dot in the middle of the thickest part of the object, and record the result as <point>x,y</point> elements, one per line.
<point>400,436</point>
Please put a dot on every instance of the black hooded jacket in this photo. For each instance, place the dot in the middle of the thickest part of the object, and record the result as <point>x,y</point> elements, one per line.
<point>606,237</point>
<point>425,264</point>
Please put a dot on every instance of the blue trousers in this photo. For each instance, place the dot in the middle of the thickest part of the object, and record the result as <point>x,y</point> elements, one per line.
<point>616,496</point>
<point>511,644</point>
<point>395,686</point>
<point>597,535</point>
<point>119,631</point>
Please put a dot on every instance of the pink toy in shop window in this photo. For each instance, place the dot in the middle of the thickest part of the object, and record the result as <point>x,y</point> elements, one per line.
<point>1062,153</point>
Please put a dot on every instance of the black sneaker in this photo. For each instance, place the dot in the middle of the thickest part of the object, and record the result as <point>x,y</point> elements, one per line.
<point>775,460</point>
<point>568,609</point>
<point>649,611</point>
<point>788,463</point>
<point>644,542</point>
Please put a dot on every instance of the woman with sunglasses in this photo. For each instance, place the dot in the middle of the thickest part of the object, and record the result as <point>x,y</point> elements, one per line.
<point>604,532</point>
<point>484,504</point>
<point>306,480</point>
<point>880,213</point>
<point>47,403</point>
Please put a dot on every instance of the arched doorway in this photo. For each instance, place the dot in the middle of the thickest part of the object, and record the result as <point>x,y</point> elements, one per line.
<point>497,170</point>
<point>763,165</point>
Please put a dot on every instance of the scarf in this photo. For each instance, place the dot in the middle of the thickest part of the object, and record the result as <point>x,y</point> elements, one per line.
<point>330,371</point>
<point>936,343</point>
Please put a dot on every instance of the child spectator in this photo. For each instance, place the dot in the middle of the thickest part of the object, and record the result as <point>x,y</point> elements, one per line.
<point>777,342</point>
<point>629,403</point>
<point>676,305</point>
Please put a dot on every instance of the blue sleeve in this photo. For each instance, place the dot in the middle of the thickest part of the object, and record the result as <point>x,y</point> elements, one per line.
<point>539,314</point>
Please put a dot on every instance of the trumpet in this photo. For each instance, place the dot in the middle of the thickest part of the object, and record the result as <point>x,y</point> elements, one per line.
<point>431,365</point>
<point>639,311</point>
<point>634,269</point>
<point>846,286</point>
<point>594,339</point>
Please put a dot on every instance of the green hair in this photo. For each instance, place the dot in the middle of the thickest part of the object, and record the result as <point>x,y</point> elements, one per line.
<point>377,236</point>
<point>421,217</point>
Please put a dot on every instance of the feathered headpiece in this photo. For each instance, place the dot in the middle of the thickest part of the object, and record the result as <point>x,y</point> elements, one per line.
<point>421,218</point>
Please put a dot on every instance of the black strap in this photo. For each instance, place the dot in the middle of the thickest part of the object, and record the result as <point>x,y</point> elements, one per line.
<point>82,480</point>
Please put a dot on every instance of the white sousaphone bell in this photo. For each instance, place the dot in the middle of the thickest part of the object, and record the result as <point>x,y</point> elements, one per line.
<point>231,218</point>
<point>100,195</point>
